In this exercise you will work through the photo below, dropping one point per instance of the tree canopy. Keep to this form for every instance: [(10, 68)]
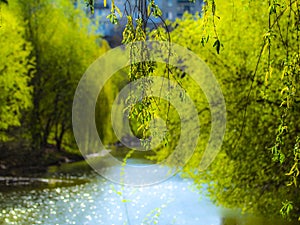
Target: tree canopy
[(259, 158), (15, 73), (253, 49)]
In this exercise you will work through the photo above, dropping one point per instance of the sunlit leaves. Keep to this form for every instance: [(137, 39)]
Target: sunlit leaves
[(152, 7), (287, 207), (15, 67), (63, 47), (244, 174), (113, 13)]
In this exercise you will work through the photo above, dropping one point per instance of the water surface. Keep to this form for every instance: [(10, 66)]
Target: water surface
[(88, 198)]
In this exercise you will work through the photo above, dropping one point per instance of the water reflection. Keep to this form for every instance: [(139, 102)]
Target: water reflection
[(102, 202)]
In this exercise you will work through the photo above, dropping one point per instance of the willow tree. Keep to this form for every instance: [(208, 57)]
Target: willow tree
[(258, 68), (139, 18), (140, 26), (253, 48), (15, 72), (63, 45)]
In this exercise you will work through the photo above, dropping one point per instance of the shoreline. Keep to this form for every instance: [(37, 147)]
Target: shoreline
[(22, 163)]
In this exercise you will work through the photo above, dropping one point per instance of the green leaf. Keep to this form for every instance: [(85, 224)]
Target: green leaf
[(217, 45)]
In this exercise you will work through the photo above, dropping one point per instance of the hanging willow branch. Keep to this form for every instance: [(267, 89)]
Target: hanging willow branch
[(140, 26)]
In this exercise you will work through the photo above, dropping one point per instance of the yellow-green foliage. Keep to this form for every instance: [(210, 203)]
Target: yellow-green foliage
[(15, 66), (249, 68), (104, 105), (63, 44)]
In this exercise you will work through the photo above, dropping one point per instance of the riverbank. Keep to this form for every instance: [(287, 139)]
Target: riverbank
[(53, 168), (19, 163), (15, 162)]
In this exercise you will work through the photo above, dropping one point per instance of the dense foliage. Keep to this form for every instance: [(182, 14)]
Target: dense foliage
[(253, 49), (43, 71), (258, 68), (15, 73), (251, 46)]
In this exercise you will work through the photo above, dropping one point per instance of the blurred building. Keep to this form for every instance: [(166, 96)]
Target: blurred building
[(171, 10)]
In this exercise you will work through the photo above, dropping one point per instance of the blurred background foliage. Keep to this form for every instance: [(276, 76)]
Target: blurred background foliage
[(46, 46)]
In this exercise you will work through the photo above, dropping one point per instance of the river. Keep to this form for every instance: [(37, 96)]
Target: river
[(79, 196)]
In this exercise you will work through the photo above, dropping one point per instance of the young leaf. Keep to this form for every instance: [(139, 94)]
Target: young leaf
[(217, 45)]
